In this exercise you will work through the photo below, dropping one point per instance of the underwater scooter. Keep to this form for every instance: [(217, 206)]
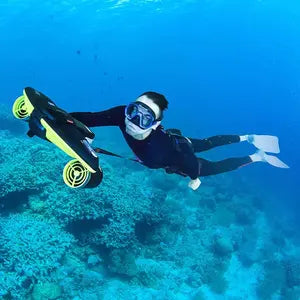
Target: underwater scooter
[(51, 123)]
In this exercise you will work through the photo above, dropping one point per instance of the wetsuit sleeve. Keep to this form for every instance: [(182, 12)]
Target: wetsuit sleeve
[(111, 117)]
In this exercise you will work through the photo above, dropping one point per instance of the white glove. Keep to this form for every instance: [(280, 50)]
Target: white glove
[(194, 184)]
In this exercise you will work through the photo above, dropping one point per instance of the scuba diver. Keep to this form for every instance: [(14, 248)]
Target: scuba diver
[(154, 147)]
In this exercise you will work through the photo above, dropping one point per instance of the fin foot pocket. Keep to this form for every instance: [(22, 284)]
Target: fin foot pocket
[(20, 110)]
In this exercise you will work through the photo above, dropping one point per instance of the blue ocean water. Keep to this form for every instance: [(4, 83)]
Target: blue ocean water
[(226, 67)]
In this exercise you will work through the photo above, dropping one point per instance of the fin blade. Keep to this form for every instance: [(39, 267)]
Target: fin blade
[(275, 161), (267, 143)]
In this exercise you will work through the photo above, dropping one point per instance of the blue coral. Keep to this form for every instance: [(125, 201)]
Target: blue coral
[(30, 249), (161, 240)]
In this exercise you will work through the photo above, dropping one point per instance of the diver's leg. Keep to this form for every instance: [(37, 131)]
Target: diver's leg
[(214, 141), (212, 168)]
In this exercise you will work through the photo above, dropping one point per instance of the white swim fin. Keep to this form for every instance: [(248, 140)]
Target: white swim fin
[(267, 143), (271, 159)]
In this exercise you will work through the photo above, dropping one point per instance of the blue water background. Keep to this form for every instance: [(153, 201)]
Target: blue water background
[(226, 67)]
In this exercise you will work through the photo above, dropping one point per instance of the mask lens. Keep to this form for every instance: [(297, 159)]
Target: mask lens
[(136, 120), (131, 111), (147, 121), (140, 115)]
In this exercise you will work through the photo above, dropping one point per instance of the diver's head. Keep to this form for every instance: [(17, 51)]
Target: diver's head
[(145, 114)]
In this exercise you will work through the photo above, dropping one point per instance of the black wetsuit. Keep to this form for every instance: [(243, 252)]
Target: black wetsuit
[(161, 149)]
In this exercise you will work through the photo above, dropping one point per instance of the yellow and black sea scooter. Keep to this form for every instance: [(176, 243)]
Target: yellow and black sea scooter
[(55, 125)]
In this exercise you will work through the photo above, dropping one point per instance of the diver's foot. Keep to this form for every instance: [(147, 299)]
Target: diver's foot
[(270, 159), (267, 143)]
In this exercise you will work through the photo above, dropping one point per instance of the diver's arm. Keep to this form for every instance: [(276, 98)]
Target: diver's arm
[(111, 117)]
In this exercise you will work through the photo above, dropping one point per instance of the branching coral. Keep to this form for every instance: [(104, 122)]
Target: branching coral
[(25, 165), (153, 232), (30, 248)]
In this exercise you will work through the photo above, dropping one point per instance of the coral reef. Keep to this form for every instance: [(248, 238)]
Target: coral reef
[(25, 166), (292, 268), (47, 290), (273, 281), (30, 250), (131, 238)]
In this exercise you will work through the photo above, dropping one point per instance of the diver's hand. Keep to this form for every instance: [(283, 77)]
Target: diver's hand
[(194, 184)]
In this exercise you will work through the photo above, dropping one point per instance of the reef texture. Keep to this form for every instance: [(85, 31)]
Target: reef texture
[(140, 235)]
